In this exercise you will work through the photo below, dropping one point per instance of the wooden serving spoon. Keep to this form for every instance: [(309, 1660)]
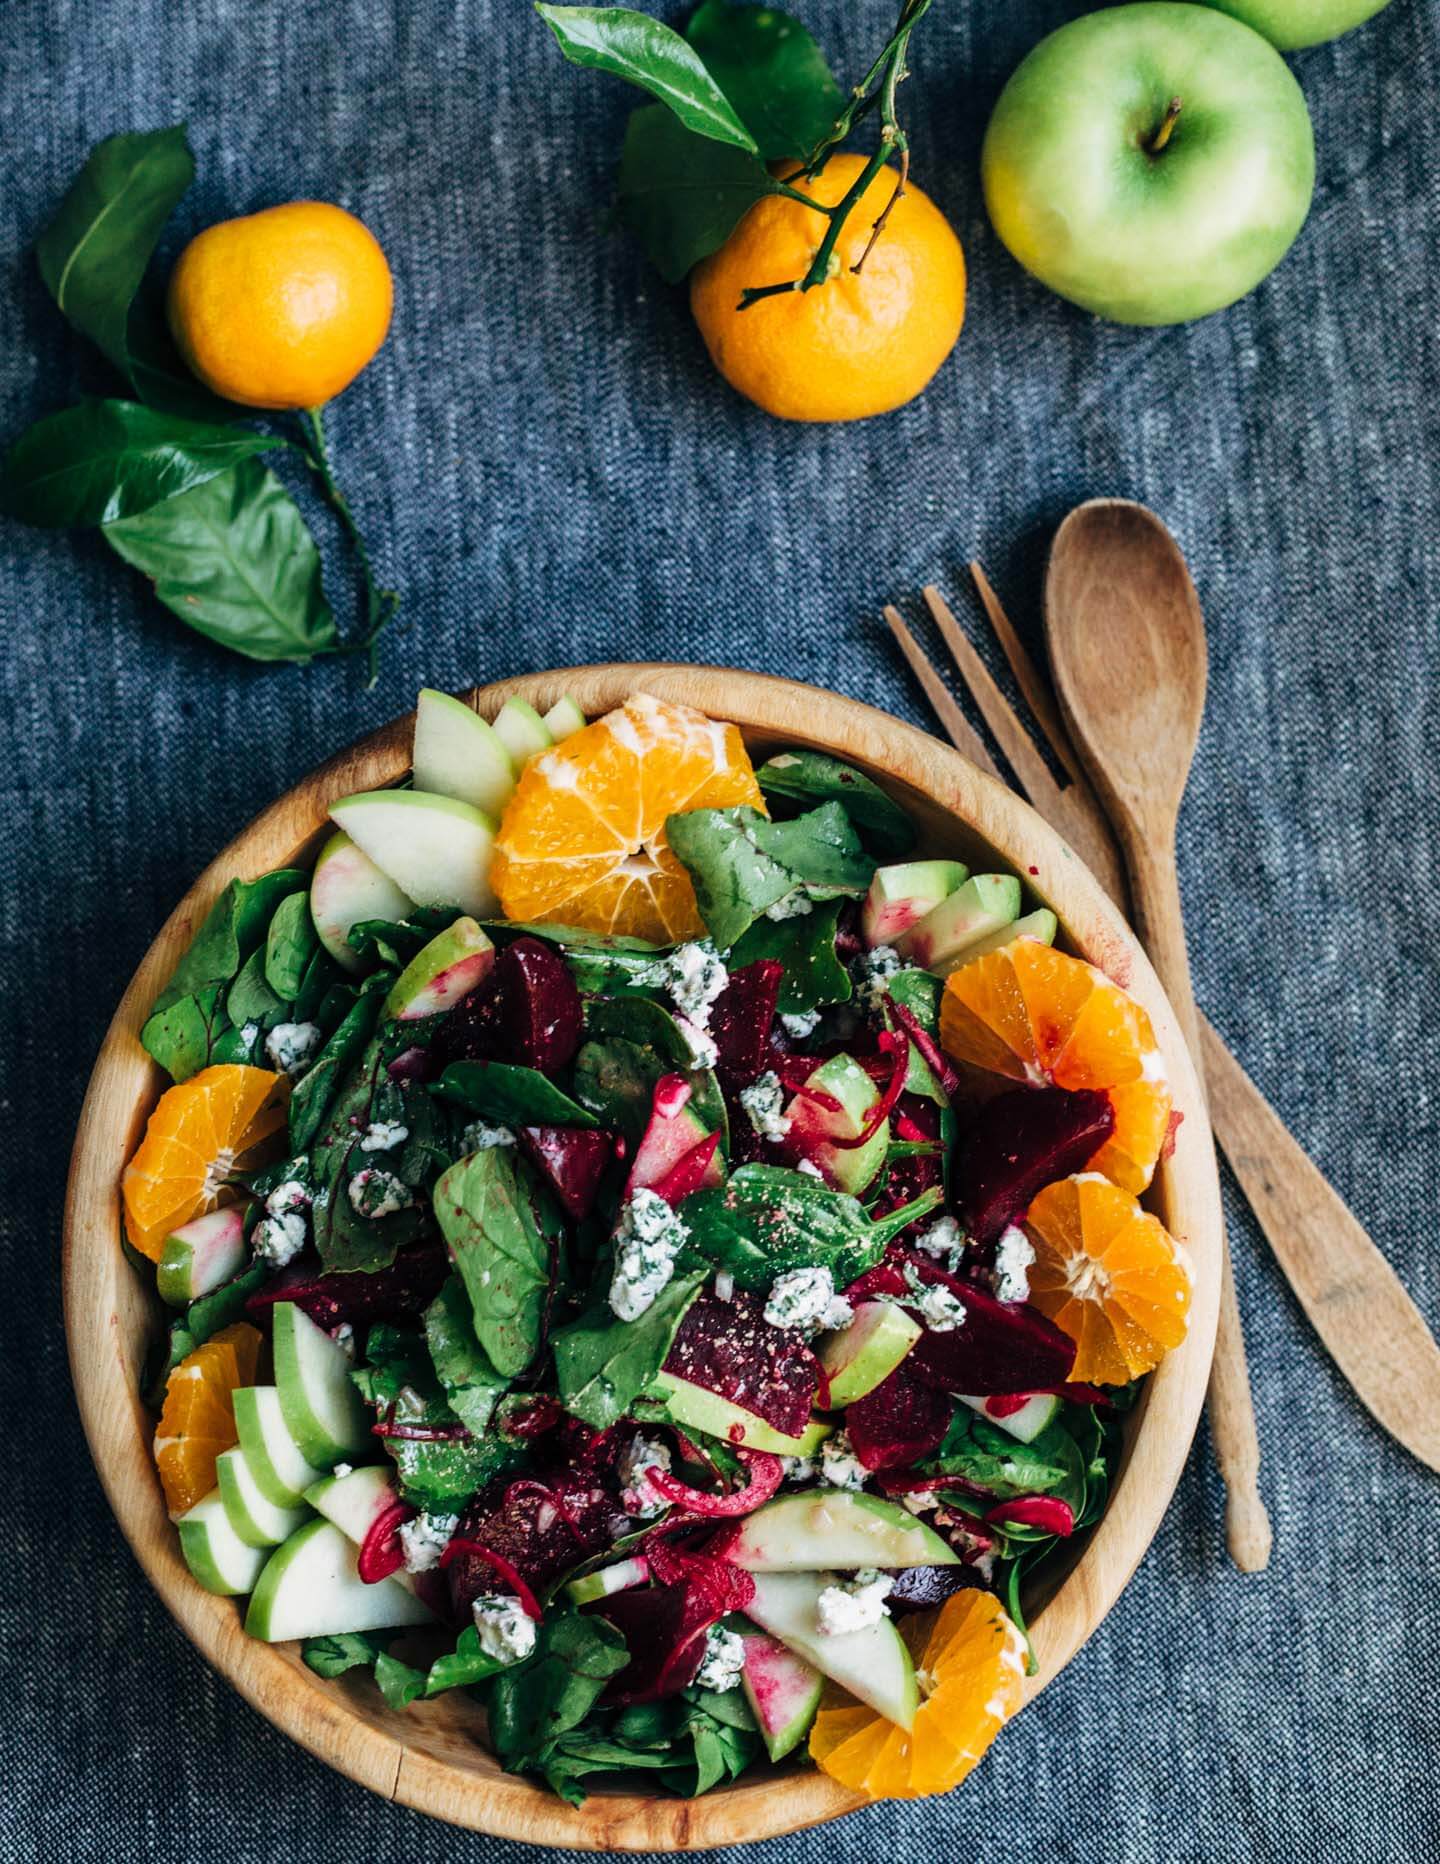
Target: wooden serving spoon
[(1127, 648)]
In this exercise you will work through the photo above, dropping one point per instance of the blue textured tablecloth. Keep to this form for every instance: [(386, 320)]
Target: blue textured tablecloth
[(555, 474)]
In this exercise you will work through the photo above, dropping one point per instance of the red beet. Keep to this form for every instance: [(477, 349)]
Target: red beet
[(527, 1011), (728, 1347), (664, 1626), (381, 1552), (410, 1283), (740, 1019), (764, 1473), (998, 1347), (919, 1588), (689, 1173), (572, 1160), (1020, 1142), (1047, 1512), (901, 1422), (527, 1532)]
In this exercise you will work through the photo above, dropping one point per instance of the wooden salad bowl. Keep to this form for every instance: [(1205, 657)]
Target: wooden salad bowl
[(431, 1756)]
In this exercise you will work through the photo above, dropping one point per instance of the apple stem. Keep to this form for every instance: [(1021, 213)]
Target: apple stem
[(1162, 134)]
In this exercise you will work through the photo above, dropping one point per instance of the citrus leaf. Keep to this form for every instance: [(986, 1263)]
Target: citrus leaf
[(681, 195), (234, 560), (772, 71), (107, 460), (639, 49)]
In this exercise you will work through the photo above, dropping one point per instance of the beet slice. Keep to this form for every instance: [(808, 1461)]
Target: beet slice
[(527, 1011), (1020, 1142), (998, 1347), (382, 1552), (729, 1348), (901, 1422), (572, 1160), (529, 1530), (741, 1017), (664, 1626), (919, 1588), (410, 1283)]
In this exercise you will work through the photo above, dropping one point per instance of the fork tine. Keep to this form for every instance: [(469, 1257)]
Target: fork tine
[(1027, 676), (962, 735)]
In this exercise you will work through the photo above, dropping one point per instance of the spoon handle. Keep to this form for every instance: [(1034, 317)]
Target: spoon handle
[(1155, 886)]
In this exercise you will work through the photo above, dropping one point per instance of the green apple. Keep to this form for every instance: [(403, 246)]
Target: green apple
[(1024, 1425), (255, 1518), (872, 1664), (311, 1587), (902, 894), (1041, 925), (564, 718), (345, 888), (718, 1417), (319, 1402), (435, 849), (442, 972), (814, 1122), (943, 939), (1291, 24), (273, 1457), (783, 1691), (1151, 163), (522, 731), (861, 1356), (608, 1581), (840, 1527), (201, 1254), (216, 1555), (457, 753), (356, 1500)]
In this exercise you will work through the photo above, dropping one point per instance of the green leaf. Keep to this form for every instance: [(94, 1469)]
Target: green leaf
[(317, 1087), (681, 195), (230, 931), (291, 943), (742, 864), (184, 1036), (820, 848), (977, 1452), (234, 560), (534, 1703), (200, 1321), (472, 1385), (636, 1042), (250, 999), (772, 71), (399, 1683), (348, 1650), (346, 1239), (646, 53), (603, 1364), (812, 776), (510, 1095), (464, 1666), (94, 252), (486, 1206), (108, 460), (806, 947), (159, 376)]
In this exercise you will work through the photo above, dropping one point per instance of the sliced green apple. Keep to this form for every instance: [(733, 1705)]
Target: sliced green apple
[(522, 731), (608, 1581), (457, 753), (872, 1664), (346, 888), (783, 1691), (435, 849), (311, 1588), (564, 718), (216, 1555), (864, 1354), (943, 939), (841, 1528), (201, 1254), (320, 1405), (901, 894), (1041, 925), (718, 1417), (275, 1460), (1024, 1425), (813, 1122), (442, 972), (255, 1518), (355, 1501)]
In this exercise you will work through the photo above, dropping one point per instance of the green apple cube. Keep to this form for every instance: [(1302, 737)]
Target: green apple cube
[(1041, 925), (901, 894), (848, 1168), (356, 1501), (718, 1417), (564, 718), (457, 753), (783, 1691), (255, 1518), (608, 1581), (441, 973), (942, 940), (863, 1355), (311, 1587), (872, 1664), (1024, 1425), (840, 1527), (435, 849), (274, 1459), (216, 1555), (319, 1402), (201, 1254), (522, 731), (346, 888)]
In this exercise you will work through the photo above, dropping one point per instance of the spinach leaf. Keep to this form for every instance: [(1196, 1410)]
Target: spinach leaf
[(472, 1385), (772, 71), (806, 947), (107, 460), (600, 962), (438, 1474), (603, 1364), (501, 1232), (646, 53), (396, 941), (291, 947), (821, 849), (347, 1650), (977, 1452), (396, 1357), (510, 1095), (534, 1703), (94, 252), (203, 1319), (185, 1037), (464, 1666), (682, 195), (768, 1219), (250, 999), (399, 1683), (316, 1088), (742, 864), (690, 1743), (919, 992), (812, 776), (233, 558), (230, 931), (638, 1042)]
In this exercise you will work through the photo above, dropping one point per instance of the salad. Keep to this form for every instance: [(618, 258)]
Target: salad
[(651, 1248)]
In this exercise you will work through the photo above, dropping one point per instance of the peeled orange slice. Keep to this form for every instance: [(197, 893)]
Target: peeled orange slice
[(582, 841), (1108, 1274), (193, 1142), (970, 1665), (1038, 1015), (198, 1419)]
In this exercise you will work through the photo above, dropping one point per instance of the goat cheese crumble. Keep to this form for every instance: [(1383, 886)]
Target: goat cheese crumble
[(794, 906), (854, 1604), (278, 1240), (640, 1456), (723, 1661), (801, 1023), (703, 1052), (944, 1240), (376, 1193), (810, 1169), (383, 1136), (424, 1539), (290, 1045), (800, 1468), (806, 1299), (692, 976), (939, 1307), (1013, 1255), (647, 1241), (764, 1102), (839, 1465), (870, 970), (506, 1630), (478, 1137)]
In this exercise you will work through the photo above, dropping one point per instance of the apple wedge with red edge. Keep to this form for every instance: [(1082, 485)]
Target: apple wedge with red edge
[(452, 965), (783, 1691), (873, 1664), (201, 1254), (345, 889), (861, 1356), (311, 1587)]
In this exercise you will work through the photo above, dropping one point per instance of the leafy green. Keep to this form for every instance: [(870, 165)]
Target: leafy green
[(399, 1683), (534, 1703), (346, 1650), (250, 999), (772, 71), (603, 1364), (233, 558), (682, 195), (317, 1087), (102, 461), (646, 53), (979, 1453), (472, 1385), (437, 1474), (805, 946), (742, 864), (204, 1318), (639, 1042), (291, 946), (184, 1037), (464, 1666), (501, 1230), (513, 1096), (395, 942), (689, 1743), (813, 776), (919, 992)]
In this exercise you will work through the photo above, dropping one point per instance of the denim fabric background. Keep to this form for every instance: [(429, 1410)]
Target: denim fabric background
[(554, 474)]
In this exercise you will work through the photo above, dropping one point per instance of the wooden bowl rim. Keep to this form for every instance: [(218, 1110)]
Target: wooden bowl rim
[(415, 1758)]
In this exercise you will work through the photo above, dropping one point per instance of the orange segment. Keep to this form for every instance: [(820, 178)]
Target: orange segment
[(582, 841), (1108, 1274), (198, 1419), (1038, 1015), (194, 1140), (970, 1665)]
